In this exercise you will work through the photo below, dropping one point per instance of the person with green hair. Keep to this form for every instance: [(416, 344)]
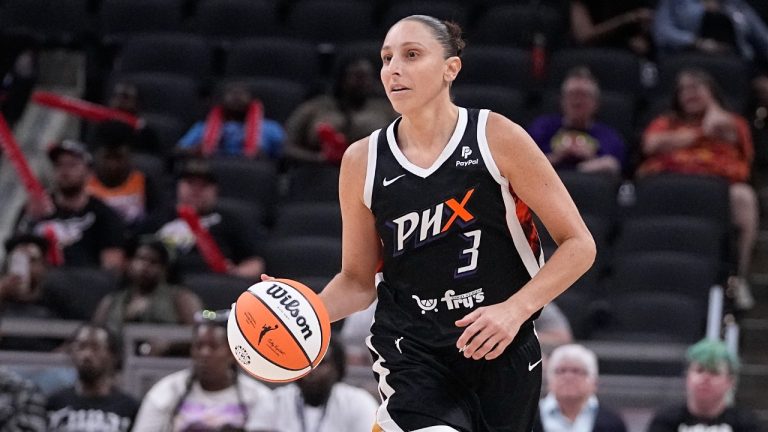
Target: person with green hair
[(710, 378)]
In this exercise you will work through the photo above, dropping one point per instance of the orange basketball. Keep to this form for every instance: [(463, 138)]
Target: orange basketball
[(278, 330)]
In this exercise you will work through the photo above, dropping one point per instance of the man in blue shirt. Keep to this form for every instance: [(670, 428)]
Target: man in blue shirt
[(236, 127)]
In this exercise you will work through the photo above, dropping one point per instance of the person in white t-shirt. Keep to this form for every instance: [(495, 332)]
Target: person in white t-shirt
[(210, 396), (320, 402)]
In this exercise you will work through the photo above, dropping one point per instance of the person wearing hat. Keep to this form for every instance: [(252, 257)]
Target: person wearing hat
[(81, 230), (709, 381), (197, 187)]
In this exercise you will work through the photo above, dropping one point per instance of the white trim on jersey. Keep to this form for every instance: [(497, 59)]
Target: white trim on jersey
[(513, 223), (370, 171), (383, 418), (458, 133)]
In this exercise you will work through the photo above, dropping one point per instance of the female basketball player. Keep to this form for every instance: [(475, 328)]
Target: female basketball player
[(436, 211)]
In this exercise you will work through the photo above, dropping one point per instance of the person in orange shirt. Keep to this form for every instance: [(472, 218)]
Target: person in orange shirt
[(699, 136), (116, 182)]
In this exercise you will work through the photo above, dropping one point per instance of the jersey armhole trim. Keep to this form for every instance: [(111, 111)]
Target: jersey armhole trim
[(485, 150), (370, 171)]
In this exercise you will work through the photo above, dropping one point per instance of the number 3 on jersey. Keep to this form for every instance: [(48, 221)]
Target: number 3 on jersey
[(471, 253)]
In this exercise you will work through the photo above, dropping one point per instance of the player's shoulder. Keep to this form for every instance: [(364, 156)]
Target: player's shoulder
[(356, 156), (499, 125)]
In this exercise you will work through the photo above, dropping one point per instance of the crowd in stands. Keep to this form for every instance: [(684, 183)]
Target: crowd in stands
[(245, 109)]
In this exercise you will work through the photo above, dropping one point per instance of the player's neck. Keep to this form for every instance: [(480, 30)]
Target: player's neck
[(428, 129)]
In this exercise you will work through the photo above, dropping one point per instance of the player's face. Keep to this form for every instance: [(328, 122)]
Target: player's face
[(571, 380), (414, 68), (708, 387)]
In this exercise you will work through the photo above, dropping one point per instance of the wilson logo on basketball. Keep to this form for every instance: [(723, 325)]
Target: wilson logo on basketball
[(428, 224), (291, 306)]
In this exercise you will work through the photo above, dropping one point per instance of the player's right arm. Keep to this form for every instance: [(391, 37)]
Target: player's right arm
[(353, 288)]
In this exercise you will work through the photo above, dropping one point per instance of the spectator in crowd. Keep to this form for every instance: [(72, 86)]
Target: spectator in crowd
[(574, 139), (709, 381), (710, 26), (235, 127), (698, 136), (94, 403), (80, 228), (147, 296), (320, 129), (18, 80), (321, 402), (23, 407), (611, 24), (125, 97), (211, 395), (129, 192), (21, 285), (197, 187), (571, 404)]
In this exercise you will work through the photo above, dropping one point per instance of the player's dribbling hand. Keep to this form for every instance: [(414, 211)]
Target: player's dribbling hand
[(489, 330)]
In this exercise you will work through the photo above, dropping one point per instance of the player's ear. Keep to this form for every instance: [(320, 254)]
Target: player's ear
[(452, 68)]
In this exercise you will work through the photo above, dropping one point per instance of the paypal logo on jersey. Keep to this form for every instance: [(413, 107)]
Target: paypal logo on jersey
[(427, 225), (465, 153)]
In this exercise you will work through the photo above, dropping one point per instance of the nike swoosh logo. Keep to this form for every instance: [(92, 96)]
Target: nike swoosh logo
[(531, 366), (388, 182)]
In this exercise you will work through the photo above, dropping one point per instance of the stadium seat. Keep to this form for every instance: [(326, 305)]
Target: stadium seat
[(594, 194), (731, 74), (299, 257), (274, 58), (445, 10), (696, 236), (494, 65), (683, 195), (227, 20), (168, 94), (58, 23), (169, 130), (517, 25), (216, 291), (330, 21), (121, 19), (503, 100), (615, 70), (184, 55), (248, 180), (75, 292), (321, 219), (249, 213), (313, 182)]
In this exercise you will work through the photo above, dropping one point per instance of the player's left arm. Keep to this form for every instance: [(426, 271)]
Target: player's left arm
[(489, 330)]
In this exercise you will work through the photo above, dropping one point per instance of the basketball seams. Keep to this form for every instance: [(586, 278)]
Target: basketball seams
[(296, 341), (321, 353)]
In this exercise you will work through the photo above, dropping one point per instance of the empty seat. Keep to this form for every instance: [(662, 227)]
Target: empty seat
[(275, 58), (299, 257), (168, 129), (594, 194), (494, 65), (683, 195), (517, 25), (615, 70), (313, 182), (331, 21), (691, 235), (655, 317), (185, 55), (321, 219), (217, 291), (61, 22), (503, 100), (75, 292), (122, 18), (225, 20), (248, 180), (444, 10), (679, 273)]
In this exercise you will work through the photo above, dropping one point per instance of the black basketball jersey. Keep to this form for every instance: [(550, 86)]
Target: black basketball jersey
[(455, 236)]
